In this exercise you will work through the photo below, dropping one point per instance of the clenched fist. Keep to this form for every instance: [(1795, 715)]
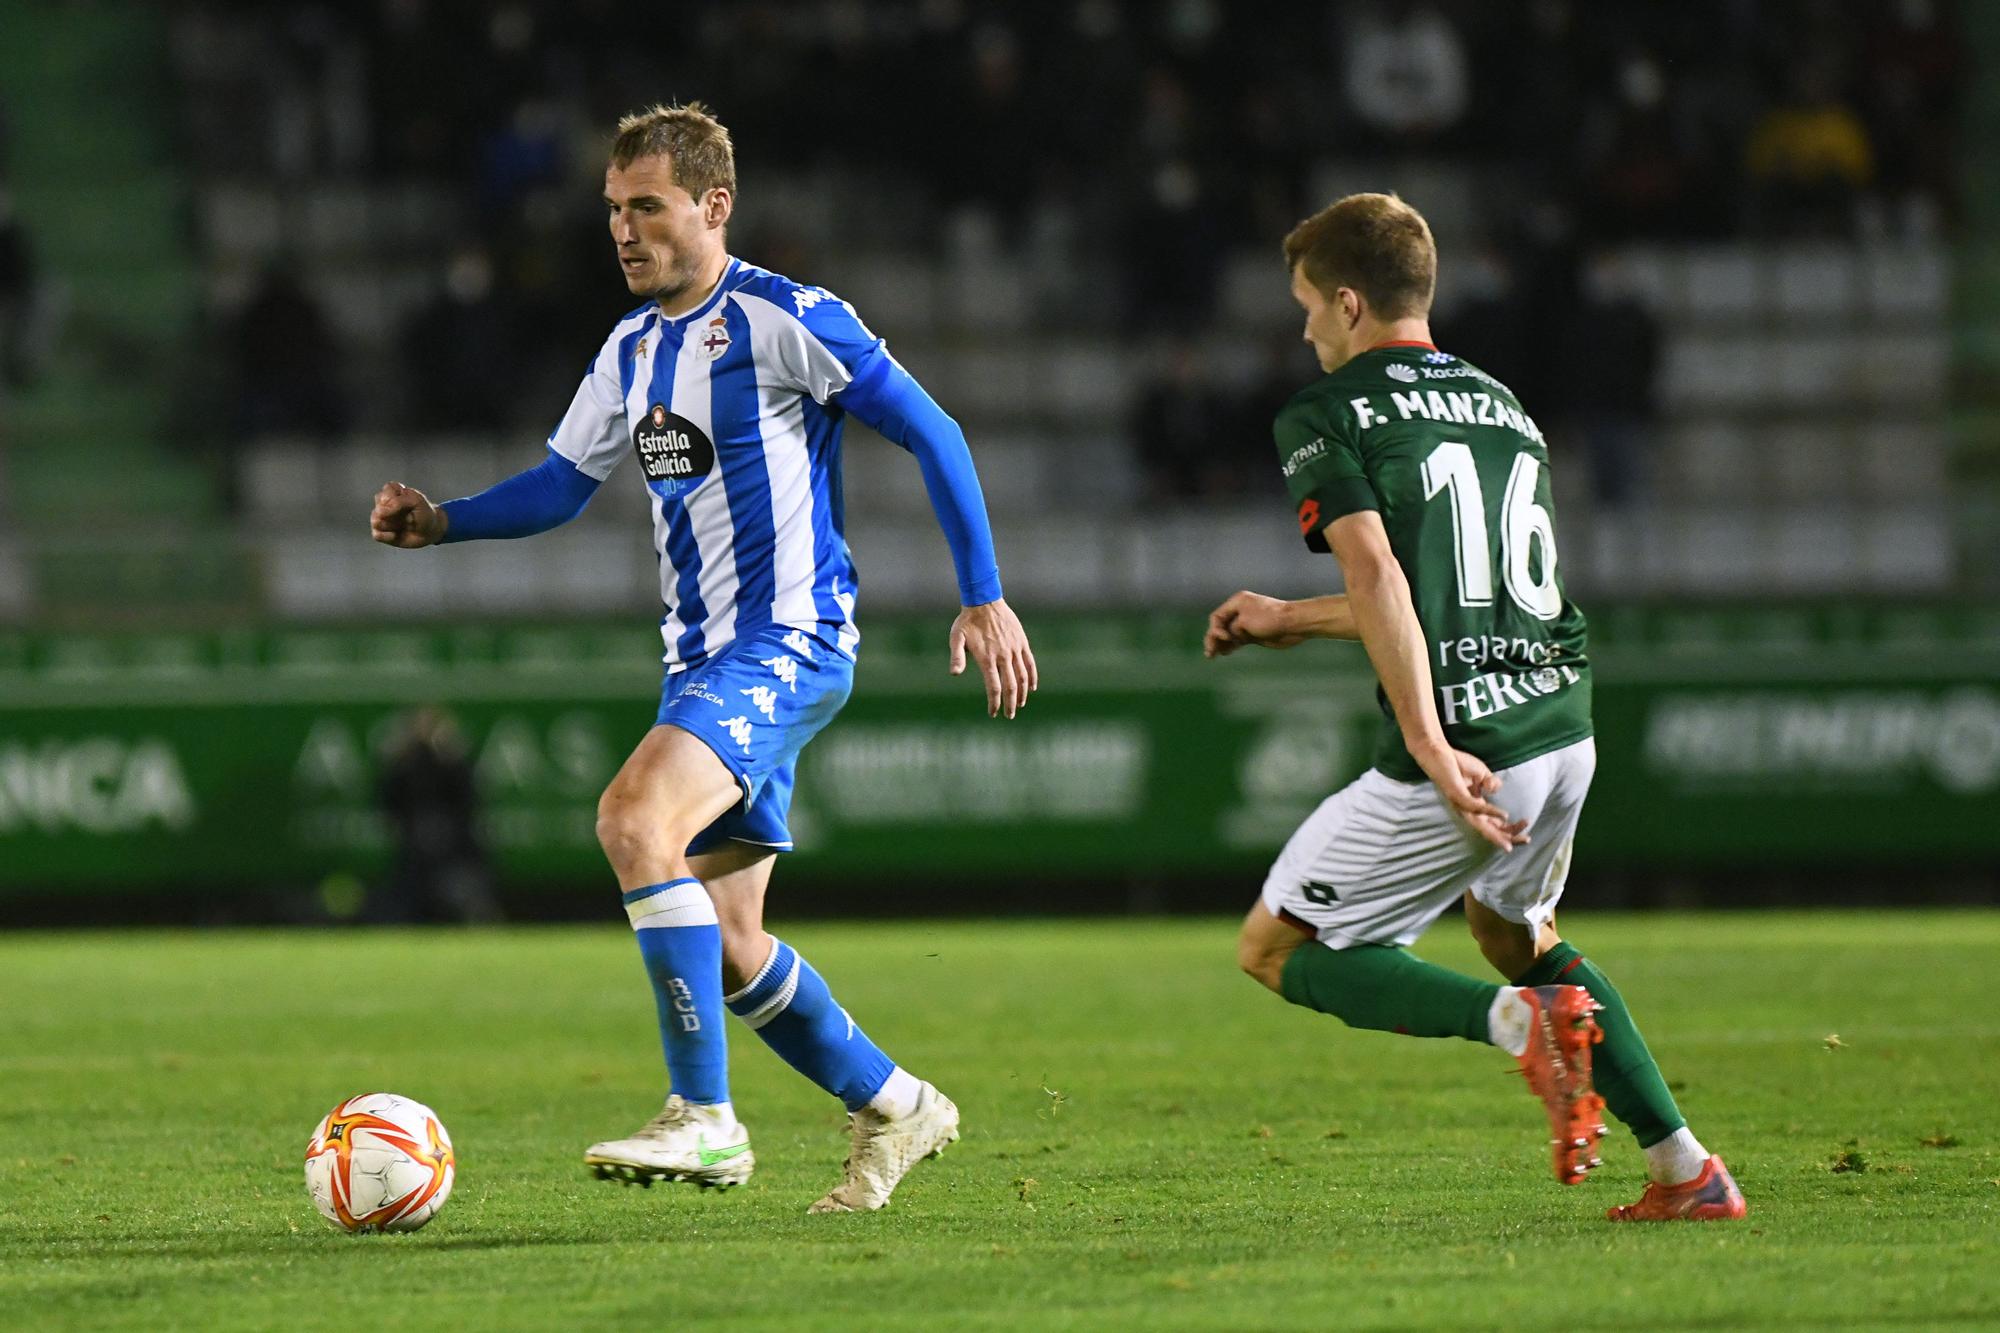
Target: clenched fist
[(405, 517)]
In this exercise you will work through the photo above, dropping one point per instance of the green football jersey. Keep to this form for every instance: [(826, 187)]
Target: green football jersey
[(1460, 476)]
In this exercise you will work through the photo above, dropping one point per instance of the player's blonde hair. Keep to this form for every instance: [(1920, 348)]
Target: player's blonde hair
[(1374, 244), (692, 140)]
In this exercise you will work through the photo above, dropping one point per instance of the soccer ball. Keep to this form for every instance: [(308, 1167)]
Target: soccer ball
[(379, 1162)]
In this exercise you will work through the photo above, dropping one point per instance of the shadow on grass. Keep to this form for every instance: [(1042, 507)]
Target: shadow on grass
[(146, 1245)]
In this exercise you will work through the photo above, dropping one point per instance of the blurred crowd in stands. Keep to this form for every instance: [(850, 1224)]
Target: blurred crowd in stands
[(28, 302), (1148, 140)]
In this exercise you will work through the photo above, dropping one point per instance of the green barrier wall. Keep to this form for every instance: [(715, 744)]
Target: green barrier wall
[(1741, 738)]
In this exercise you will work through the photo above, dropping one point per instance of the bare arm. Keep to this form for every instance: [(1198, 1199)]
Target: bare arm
[(1379, 599), (1328, 617), (1249, 617)]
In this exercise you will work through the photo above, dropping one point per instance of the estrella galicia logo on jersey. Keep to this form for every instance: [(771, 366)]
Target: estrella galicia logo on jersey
[(714, 339), (1396, 370), (672, 450)]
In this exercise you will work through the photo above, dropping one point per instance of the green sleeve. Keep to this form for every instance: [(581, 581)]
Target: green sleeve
[(1321, 460)]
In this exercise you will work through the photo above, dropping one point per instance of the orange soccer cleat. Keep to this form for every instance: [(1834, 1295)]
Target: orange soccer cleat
[(1557, 1063), (1711, 1196)]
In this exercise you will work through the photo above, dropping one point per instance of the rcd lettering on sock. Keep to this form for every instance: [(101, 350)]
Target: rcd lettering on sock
[(684, 1005)]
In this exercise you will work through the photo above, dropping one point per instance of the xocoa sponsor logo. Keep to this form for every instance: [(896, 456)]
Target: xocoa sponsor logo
[(98, 784), (1856, 738)]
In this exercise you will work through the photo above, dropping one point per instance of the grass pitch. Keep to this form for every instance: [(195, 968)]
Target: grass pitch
[(1150, 1140)]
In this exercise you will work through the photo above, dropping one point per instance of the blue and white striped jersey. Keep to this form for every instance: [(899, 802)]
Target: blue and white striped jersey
[(734, 413)]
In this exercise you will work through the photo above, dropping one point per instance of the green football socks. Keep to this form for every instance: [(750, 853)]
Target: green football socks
[(1388, 990), (1622, 1067)]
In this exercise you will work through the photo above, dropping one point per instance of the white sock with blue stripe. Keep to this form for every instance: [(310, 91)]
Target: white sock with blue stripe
[(682, 946), (790, 1007)]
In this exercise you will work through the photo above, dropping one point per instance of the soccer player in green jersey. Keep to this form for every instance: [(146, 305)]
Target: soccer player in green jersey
[(1430, 485)]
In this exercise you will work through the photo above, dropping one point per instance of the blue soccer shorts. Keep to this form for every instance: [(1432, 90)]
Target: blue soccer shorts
[(756, 704)]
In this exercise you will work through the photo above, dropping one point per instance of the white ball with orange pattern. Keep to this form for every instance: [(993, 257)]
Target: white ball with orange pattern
[(380, 1162)]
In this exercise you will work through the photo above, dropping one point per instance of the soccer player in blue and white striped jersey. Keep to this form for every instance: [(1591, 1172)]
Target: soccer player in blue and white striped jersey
[(729, 386)]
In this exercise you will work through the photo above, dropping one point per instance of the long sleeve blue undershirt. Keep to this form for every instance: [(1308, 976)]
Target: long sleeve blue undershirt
[(543, 497), (883, 396)]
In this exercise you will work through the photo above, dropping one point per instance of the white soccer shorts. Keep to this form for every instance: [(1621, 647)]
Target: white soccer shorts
[(1379, 860)]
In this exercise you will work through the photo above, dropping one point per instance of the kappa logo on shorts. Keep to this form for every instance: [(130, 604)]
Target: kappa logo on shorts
[(766, 700), (786, 669), (739, 731)]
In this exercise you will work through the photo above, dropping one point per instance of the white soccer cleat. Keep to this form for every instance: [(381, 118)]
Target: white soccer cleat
[(884, 1150), (702, 1144)]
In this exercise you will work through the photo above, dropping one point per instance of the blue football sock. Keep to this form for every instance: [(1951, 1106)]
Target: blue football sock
[(792, 1010), (682, 946)]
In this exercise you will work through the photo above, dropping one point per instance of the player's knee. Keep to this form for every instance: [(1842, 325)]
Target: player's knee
[(632, 831), (1508, 947), (1259, 960)]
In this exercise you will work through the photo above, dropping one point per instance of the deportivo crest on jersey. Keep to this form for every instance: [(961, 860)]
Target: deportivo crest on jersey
[(734, 410), (673, 450), (714, 340)]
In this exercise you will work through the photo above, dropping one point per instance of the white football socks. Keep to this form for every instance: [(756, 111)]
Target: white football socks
[(1509, 1020), (717, 1115), (898, 1096), (1677, 1158)]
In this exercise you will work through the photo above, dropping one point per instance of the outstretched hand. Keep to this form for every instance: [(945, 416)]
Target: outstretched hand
[(1249, 617), (1466, 782), (404, 516), (992, 635)]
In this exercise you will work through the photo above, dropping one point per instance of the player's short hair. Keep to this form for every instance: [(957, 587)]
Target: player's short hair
[(1374, 244), (692, 140)]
